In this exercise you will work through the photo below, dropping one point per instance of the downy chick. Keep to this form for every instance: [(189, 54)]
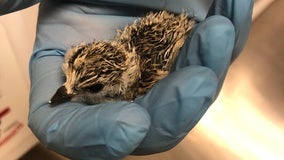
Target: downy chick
[(126, 67)]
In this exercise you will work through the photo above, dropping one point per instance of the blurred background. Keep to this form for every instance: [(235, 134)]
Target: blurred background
[(245, 122)]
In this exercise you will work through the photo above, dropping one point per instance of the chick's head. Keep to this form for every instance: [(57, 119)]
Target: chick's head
[(97, 72)]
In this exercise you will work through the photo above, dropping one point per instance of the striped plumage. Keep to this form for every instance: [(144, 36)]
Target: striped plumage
[(128, 66)]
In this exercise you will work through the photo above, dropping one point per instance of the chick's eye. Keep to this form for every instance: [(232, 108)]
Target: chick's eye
[(95, 88)]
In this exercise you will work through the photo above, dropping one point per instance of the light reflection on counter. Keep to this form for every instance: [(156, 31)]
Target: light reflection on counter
[(235, 123)]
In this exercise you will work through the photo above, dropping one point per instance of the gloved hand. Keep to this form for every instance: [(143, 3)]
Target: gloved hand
[(153, 123)]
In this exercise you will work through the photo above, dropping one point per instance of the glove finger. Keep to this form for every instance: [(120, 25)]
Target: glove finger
[(175, 105), (198, 9), (61, 25), (240, 14), (210, 44), (107, 131)]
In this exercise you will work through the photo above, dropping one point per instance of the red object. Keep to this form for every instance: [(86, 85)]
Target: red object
[(4, 112)]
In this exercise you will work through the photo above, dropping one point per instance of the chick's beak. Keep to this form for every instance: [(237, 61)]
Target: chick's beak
[(60, 97)]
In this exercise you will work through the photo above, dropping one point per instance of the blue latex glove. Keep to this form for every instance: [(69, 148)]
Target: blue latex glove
[(155, 122), (8, 6)]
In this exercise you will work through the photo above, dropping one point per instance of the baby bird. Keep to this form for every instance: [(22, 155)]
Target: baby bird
[(126, 67)]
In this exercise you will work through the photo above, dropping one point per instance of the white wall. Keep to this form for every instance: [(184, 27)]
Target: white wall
[(20, 28), (17, 32)]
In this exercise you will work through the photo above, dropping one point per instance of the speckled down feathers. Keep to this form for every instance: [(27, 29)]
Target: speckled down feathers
[(128, 66)]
